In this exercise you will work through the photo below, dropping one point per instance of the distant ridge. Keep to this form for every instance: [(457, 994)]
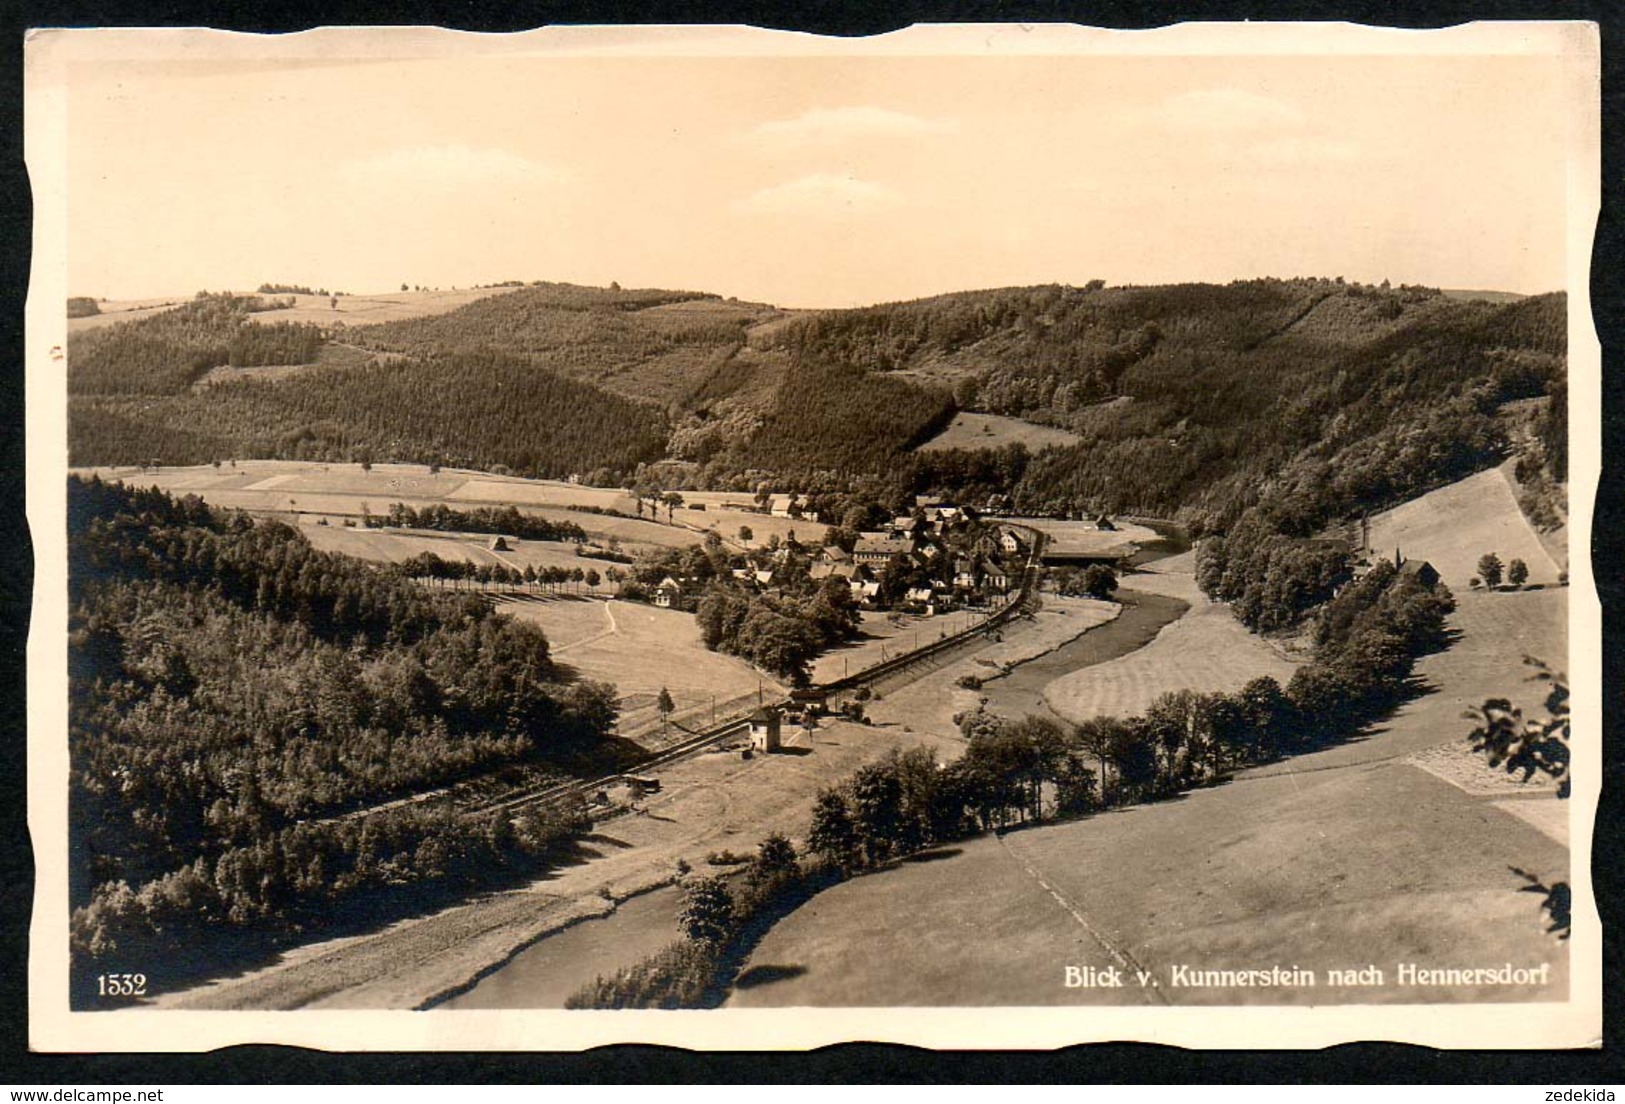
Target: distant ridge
[(1485, 296)]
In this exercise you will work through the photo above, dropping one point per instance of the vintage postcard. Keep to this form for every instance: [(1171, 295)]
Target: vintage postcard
[(984, 536)]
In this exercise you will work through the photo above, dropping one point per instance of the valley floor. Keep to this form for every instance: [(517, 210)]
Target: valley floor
[(711, 802)]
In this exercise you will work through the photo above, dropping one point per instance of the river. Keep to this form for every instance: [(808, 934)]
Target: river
[(1022, 691), (546, 973)]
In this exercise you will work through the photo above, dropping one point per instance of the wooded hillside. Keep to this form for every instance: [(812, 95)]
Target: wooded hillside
[(1190, 400), (229, 683)]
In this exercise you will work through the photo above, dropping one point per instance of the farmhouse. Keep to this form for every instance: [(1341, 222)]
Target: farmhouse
[(1010, 543), (1420, 570), (809, 702), (848, 571), (783, 506), (966, 575), (668, 592), (878, 548), (764, 729)]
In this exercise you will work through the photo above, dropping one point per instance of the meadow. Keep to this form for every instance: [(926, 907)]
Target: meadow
[(1204, 650), (311, 491), (642, 649), (988, 431), (1456, 524)]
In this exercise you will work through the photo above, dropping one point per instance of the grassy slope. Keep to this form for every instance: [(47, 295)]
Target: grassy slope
[(1336, 859), (1456, 524), (988, 431), (1207, 650)]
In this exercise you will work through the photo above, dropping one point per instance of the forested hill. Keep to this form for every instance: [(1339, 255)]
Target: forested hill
[(1195, 398), (230, 682), (1190, 399)]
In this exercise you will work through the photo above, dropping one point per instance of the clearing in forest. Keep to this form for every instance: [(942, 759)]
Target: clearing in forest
[(989, 431)]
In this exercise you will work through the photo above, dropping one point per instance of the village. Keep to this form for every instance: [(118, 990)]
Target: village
[(939, 558)]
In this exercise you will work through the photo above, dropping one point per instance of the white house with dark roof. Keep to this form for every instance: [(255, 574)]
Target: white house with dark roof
[(667, 592), (878, 548)]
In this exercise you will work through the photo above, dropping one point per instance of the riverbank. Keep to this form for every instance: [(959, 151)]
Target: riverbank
[(1141, 616)]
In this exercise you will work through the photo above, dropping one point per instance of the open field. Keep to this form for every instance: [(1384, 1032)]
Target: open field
[(1497, 631), (399, 545), (1344, 857), (1207, 649), (1329, 870), (1081, 538), (988, 431), (124, 310), (1456, 524), (336, 491), (640, 649), (353, 310)]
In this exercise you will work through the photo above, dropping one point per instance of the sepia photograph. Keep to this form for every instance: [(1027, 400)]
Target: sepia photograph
[(976, 536)]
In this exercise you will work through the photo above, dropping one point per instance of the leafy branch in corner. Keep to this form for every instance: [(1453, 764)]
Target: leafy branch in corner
[(1530, 746), (1527, 745)]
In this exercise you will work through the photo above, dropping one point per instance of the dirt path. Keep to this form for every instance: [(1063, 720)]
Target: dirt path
[(611, 630)]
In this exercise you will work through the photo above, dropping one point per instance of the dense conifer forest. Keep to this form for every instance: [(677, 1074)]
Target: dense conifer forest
[(167, 353), (474, 410), (235, 692)]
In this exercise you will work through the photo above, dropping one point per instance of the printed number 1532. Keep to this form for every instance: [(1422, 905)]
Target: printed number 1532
[(121, 985)]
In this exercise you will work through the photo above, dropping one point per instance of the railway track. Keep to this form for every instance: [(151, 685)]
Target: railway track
[(1022, 602)]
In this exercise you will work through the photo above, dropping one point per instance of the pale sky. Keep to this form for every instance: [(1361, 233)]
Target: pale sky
[(815, 181)]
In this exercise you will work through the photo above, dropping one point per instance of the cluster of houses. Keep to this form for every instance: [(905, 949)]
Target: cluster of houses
[(952, 560)]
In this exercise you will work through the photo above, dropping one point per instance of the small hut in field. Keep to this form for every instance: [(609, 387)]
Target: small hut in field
[(764, 730), (498, 544)]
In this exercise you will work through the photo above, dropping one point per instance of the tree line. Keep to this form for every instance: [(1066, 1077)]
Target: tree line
[(1036, 768), (506, 520), (166, 353)]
